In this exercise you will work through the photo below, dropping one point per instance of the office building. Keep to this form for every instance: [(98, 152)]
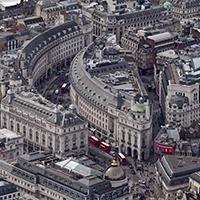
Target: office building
[(110, 95), (43, 176)]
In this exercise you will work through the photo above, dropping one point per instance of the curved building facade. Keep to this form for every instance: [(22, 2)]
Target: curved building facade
[(43, 124), (124, 118), (48, 52)]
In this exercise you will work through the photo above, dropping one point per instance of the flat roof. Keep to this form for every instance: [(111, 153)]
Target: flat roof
[(7, 3), (161, 36), (5, 133), (73, 166), (184, 164), (196, 176), (168, 54)]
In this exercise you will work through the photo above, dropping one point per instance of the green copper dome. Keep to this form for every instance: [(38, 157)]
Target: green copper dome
[(167, 5), (139, 108)]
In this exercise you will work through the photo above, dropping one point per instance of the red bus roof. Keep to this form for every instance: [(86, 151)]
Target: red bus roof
[(94, 138), (121, 155), (105, 144)]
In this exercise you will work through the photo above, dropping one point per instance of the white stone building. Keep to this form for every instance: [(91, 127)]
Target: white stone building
[(51, 51), (43, 125), (182, 104), (123, 117), (179, 85), (11, 144)]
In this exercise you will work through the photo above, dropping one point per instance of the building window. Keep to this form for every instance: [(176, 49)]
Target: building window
[(66, 142), (82, 135), (123, 135), (74, 137), (24, 130), (37, 137), (30, 134), (135, 140), (18, 128), (11, 125), (129, 137), (143, 142)]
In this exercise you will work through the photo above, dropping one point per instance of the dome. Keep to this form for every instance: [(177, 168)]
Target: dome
[(139, 108), (115, 172), (167, 5)]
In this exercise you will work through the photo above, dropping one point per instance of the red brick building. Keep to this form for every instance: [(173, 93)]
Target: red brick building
[(145, 45)]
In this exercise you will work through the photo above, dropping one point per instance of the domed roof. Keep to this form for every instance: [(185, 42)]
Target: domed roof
[(138, 107), (115, 172), (167, 5)]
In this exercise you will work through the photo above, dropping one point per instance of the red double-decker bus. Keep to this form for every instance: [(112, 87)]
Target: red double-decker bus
[(94, 141), (164, 149), (121, 158), (105, 147)]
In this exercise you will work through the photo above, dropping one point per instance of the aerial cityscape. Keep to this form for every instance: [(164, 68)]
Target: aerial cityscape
[(99, 100)]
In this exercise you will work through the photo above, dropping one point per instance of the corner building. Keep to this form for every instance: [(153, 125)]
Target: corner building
[(123, 118), (44, 125)]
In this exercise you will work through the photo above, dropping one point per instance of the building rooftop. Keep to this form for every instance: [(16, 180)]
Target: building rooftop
[(168, 135), (6, 188), (161, 37), (183, 65), (104, 78), (73, 166), (65, 176), (5, 133), (175, 168), (40, 41), (181, 164), (37, 107), (196, 177), (8, 3), (168, 54)]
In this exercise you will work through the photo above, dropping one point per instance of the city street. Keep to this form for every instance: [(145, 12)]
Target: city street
[(143, 178)]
